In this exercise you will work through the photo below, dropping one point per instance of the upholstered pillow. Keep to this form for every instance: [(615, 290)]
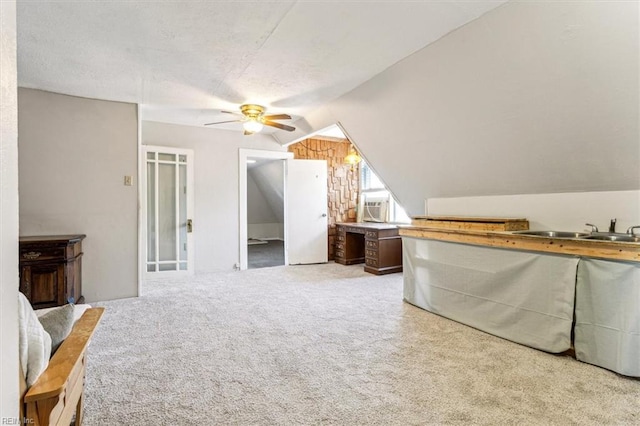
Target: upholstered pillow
[(58, 323), (78, 310), (34, 343)]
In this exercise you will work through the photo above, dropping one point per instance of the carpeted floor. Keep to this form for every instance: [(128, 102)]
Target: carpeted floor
[(271, 253), (325, 344)]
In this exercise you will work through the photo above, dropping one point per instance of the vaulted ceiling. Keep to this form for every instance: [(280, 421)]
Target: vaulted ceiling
[(185, 61), (532, 97)]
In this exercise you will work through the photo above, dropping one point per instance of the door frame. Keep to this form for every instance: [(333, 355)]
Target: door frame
[(142, 247), (243, 155)]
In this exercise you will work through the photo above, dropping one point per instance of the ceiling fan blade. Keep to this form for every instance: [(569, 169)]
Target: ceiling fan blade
[(222, 122), (277, 117), (279, 125), (247, 133), (230, 112)]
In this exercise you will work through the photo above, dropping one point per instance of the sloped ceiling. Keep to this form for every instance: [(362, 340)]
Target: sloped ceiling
[(534, 97), (184, 61)]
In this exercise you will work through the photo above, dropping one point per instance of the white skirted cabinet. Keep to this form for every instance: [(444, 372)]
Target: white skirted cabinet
[(528, 297), (521, 296), (607, 330)]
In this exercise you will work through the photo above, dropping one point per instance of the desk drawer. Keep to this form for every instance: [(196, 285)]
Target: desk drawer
[(339, 246), (371, 253), (371, 244), (340, 237), (371, 234), (371, 262), (339, 254)]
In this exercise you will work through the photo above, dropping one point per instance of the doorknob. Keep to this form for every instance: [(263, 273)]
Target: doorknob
[(189, 225), (324, 215)]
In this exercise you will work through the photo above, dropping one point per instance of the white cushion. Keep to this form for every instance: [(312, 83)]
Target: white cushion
[(34, 343)]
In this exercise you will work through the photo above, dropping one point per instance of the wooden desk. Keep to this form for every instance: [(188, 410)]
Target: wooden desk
[(378, 245)]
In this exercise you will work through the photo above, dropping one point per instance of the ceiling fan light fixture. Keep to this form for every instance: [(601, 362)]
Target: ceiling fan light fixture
[(253, 119), (252, 126)]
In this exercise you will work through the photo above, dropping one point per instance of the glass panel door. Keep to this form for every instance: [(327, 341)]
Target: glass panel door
[(168, 209)]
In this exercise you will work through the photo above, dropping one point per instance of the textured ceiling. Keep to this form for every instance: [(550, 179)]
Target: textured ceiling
[(184, 61)]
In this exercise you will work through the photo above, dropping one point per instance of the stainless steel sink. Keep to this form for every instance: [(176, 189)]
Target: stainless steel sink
[(583, 236), (554, 234), (622, 238)]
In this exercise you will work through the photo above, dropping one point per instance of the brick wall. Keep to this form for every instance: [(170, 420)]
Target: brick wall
[(342, 182)]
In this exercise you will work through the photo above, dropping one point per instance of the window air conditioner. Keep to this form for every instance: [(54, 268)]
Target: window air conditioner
[(375, 210)]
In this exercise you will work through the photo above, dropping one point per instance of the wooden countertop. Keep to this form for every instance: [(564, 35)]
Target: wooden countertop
[(613, 250), (471, 223)]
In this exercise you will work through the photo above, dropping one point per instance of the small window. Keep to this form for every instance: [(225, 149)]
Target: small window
[(166, 157), (377, 204), (368, 179)]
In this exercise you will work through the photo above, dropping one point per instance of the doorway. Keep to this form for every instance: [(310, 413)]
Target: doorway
[(244, 155), (305, 207), (265, 212), (167, 211)]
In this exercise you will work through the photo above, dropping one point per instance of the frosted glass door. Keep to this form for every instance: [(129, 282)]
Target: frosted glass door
[(168, 220)]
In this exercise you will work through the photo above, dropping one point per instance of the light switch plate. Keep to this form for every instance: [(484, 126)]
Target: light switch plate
[(128, 180)]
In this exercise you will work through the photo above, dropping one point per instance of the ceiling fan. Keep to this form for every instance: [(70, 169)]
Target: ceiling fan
[(253, 119)]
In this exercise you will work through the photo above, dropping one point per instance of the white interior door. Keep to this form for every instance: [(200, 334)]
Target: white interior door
[(168, 210), (306, 212)]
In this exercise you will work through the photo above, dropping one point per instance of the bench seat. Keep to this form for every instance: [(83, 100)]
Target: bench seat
[(57, 394)]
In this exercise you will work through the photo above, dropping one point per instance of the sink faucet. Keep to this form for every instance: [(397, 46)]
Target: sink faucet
[(612, 226), (593, 227), (631, 228)]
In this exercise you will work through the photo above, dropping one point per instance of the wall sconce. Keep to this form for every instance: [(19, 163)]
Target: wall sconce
[(353, 158)]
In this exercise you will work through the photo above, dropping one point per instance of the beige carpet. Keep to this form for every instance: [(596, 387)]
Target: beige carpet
[(325, 344)]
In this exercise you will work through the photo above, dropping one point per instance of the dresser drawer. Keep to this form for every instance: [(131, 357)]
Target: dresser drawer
[(41, 253), (371, 253), (371, 244), (371, 234), (371, 262)]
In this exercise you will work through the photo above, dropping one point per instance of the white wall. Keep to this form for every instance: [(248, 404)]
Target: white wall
[(8, 214), (258, 209), (266, 231), (558, 212), (269, 180), (216, 225), (532, 97), (262, 221), (73, 156)]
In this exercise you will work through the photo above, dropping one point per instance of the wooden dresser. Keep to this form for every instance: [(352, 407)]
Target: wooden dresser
[(378, 245), (51, 269)]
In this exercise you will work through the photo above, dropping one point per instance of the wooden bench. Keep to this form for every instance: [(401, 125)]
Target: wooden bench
[(57, 394)]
